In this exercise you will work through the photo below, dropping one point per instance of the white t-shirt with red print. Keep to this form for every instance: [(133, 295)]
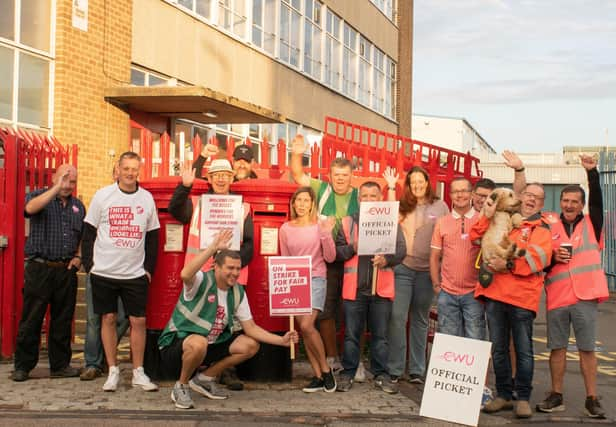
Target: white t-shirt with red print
[(122, 221)]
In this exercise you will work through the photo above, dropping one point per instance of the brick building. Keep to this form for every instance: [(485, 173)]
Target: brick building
[(101, 72)]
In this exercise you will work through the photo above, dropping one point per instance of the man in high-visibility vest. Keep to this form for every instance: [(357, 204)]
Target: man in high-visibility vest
[(575, 284), (360, 305), (220, 176)]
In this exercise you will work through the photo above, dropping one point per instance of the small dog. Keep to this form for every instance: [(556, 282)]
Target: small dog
[(495, 242)]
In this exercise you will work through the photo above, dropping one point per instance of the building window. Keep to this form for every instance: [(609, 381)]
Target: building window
[(365, 68), (390, 89), (332, 51), (142, 77), (349, 62), (25, 62), (378, 81), (232, 16), (313, 38), (385, 6), (290, 27)]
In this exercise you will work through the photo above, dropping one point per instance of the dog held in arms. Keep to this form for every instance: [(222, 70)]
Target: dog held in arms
[(495, 242)]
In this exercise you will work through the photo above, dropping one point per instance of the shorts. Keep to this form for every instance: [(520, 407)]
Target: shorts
[(133, 293), (319, 290), (333, 297), (171, 355), (583, 317)]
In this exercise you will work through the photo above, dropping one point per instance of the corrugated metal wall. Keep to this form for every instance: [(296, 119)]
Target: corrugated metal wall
[(607, 169)]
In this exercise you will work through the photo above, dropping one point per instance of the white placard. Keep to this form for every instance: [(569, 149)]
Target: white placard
[(80, 14), (174, 237), (221, 212), (378, 227), (455, 380)]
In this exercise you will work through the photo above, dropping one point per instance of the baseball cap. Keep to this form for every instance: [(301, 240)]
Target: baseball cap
[(220, 165), (243, 152)]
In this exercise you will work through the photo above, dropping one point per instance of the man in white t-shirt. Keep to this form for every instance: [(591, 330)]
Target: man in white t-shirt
[(199, 331), (119, 251)]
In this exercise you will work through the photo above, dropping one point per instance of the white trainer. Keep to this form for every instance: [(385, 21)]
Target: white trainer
[(360, 374), (140, 379), (113, 379)]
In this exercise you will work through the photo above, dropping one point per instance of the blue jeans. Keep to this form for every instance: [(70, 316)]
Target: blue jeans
[(377, 310), (413, 296), (93, 347), (461, 315), (505, 320)]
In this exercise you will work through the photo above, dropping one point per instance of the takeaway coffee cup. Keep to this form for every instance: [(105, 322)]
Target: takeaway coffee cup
[(568, 247)]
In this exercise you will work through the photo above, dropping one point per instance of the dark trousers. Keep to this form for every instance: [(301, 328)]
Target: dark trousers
[(44, 286)]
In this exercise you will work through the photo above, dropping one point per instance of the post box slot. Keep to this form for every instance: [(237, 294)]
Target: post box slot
[(269, 213)]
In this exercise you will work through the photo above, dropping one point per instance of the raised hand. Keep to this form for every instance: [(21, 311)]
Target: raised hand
[(327, 223), (188, 176), (298, 145), (209, 150), (391, 177), (512, 160), (588, 162), (222, 239)]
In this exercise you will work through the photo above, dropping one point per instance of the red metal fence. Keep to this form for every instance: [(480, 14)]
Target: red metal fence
[(27, 162), (370, 150)]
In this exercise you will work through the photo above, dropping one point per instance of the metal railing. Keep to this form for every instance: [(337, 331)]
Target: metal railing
[(607, 174)]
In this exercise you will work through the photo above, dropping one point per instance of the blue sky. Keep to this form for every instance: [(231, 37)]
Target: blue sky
[(529, 75)]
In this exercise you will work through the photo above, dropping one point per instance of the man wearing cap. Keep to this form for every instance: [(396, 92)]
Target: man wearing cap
[(243, 161), (182, 208)]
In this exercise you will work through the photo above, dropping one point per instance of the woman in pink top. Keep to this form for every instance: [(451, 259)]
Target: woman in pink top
[(303, 235)]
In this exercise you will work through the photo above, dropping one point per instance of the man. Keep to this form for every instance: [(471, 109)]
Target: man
[(453, 276), (93, 347), (575, 284), (52, 260), (220, 175), (512, 299), (243, 161), (359, 302), (200, 329), (119, 249), (481, 190), (338, 199)]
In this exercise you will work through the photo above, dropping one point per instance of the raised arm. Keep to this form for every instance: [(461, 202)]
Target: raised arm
[(514, 162), (595, 198), (38, 203), (298, 148), (194, 265)]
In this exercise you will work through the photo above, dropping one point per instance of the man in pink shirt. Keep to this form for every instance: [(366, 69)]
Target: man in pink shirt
[(452, 267)]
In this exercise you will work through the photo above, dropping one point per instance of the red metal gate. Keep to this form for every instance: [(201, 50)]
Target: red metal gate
[(27, 162)]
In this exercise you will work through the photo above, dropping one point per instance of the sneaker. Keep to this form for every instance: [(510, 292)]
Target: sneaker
[(329, 381), (20, 375), (140, 379), (384, 383), (315, 384), (593, 408), (360, 374), (207, 388), (416, 379), (552, 403), (498, 404), (522, 409), (90, 373), (66, 372), (181, 396), (394, 379), (335, 364), (230, 379), (486, 397), (345, 383), (112, 379)]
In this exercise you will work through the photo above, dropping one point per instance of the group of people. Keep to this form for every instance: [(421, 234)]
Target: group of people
[(211, 329)]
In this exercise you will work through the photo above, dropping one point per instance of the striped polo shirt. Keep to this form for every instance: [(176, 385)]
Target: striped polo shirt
[(451, 237)]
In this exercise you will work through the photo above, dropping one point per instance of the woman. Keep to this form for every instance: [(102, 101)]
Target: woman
[(303, 235), (419, 210)]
